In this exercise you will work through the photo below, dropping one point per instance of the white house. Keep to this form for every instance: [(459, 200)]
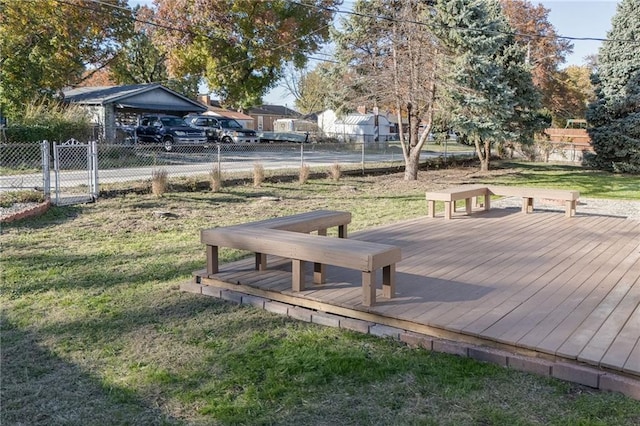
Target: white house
[(355, 127)]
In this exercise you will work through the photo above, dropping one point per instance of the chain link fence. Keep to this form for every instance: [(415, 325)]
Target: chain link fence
[(74, 170)]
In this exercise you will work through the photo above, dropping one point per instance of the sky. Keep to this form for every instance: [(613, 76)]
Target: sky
[(571, 18)]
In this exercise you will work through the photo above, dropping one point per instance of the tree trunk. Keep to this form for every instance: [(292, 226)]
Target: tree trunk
[(483, 150), (411, 166)]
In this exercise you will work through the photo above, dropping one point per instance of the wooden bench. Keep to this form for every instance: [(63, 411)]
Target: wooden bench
[(467, 192), (569, 197), (451, 195), (313, 221), (301, 247)]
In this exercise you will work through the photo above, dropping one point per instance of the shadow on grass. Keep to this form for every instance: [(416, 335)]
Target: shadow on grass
[(62, 271), (39, 388)]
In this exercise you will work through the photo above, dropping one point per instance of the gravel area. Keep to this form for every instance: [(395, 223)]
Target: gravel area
[(622, 208)]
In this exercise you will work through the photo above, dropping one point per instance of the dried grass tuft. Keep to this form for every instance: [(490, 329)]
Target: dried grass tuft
[(159, 182), (305, 171), (335, 172), (215, 179), (258, 174)]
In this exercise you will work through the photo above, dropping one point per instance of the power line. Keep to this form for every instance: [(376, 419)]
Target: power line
[(480, 30)]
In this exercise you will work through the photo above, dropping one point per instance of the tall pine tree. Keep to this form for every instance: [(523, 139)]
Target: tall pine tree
[(615, 114), (493, 96)]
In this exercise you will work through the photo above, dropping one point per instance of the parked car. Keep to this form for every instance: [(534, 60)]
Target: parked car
[(168, 130), (222, 129)]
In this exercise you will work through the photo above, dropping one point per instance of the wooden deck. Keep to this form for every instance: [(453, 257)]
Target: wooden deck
[(558, 287)]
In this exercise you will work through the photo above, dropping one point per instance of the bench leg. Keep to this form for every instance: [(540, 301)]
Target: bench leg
[(297, 275), (467, 205), (431, 208), (368, 288), (487, 201), (261, 262), (319, 273), (342, 231), (212, 260), (527, 205), (570, 208), (448, 209), (389, 281)]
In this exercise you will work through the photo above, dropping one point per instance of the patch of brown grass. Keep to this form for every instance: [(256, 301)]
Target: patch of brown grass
[(258, 174), (159, 182), (335, 172)]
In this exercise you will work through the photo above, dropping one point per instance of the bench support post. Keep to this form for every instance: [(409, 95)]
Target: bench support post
[(297, 274), (527, 205), (467, 206), (261, 262), (487, 200), (212, 260), (449, 206), (342, 231), (368, 288), (431, 208), (570, 208), (389, 281), (319, 273)]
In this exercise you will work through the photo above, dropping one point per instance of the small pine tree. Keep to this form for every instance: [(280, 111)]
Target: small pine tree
[(615, 114)]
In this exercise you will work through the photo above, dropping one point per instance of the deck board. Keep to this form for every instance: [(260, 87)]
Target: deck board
[(564, 287)]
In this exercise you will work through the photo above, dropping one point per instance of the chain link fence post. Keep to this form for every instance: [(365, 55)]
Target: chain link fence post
[(219, 160), (301, 156), (46, 172), (362, 158), (93, 163)]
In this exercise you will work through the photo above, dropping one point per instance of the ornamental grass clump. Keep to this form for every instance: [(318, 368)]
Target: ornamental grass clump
[(335, 172), (215, 179), (258, 174), (159, 182), (305, 171)]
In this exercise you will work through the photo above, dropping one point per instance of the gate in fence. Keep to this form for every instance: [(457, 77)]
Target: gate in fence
[(75, 170)]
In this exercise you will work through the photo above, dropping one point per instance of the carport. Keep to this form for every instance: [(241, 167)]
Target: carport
[(118, 107)]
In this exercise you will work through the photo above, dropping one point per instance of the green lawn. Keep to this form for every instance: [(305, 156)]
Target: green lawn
[(95, 330)]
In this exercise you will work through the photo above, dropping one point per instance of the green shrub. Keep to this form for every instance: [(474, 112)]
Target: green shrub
[(52, 121)]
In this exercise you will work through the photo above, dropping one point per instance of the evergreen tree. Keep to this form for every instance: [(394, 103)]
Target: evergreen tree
[(492, 91), (615, 114)]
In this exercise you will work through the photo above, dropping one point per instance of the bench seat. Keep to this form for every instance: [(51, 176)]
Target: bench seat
[(466, 192), (450, 195), (569, 197), (301, 247), (307, 222)]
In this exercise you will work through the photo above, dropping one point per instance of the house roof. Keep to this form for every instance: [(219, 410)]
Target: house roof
[(356, 119), (153, 97), (278, 110), (222, 112)]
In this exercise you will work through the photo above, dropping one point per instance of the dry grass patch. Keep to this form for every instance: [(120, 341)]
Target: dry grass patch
[(258, 174), (215, 179), (335, 172), (159, 182), (303, 175)]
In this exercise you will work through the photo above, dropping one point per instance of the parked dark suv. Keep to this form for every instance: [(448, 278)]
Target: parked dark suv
[(225, 130), (168, 130)]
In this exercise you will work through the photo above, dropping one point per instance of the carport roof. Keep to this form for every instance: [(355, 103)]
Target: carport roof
[(129, 97)]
